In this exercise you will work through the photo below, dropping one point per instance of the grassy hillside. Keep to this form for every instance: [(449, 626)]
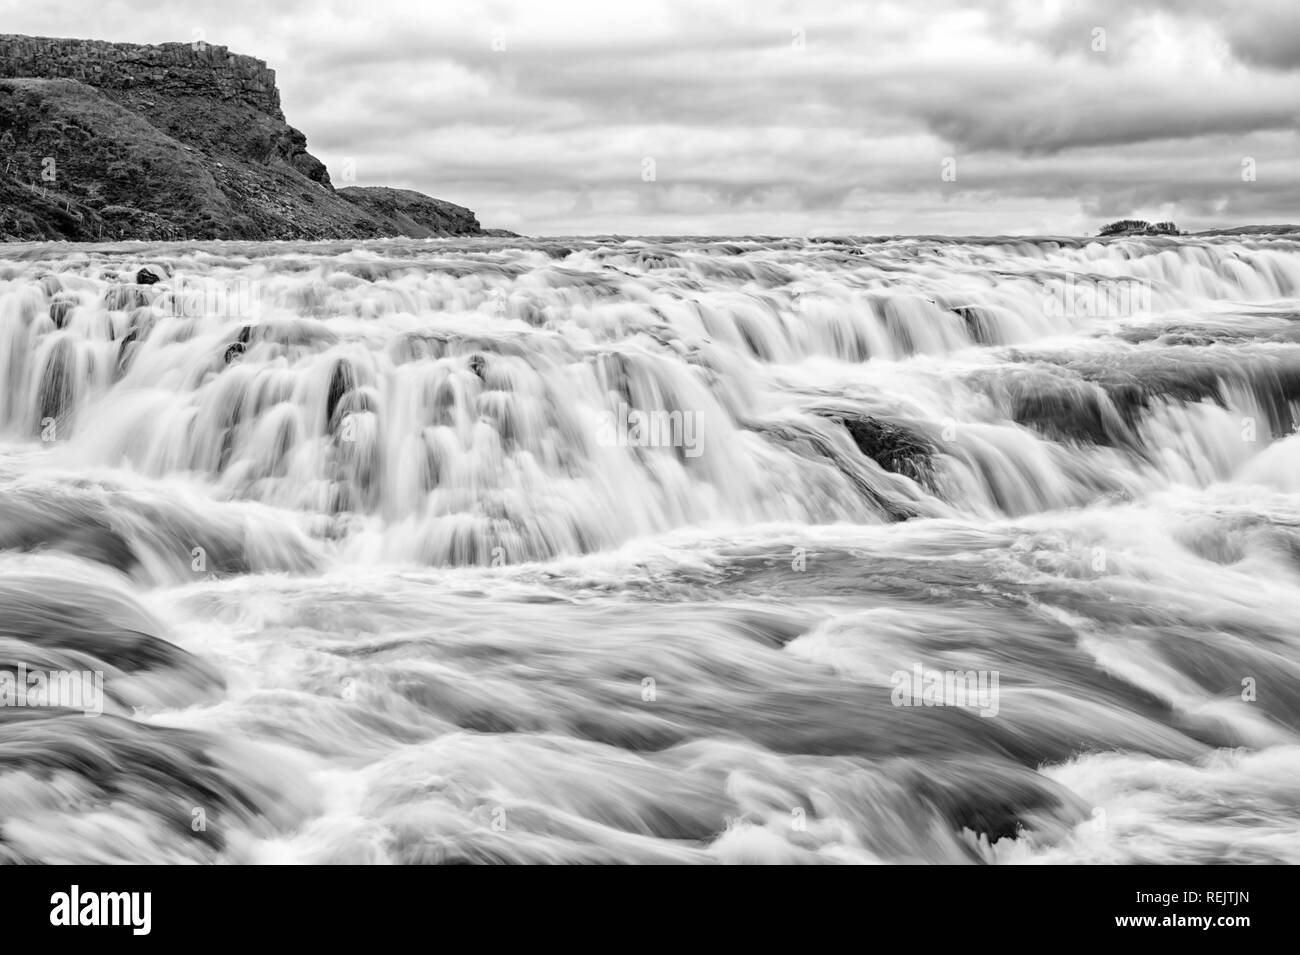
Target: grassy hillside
[(91, 162)]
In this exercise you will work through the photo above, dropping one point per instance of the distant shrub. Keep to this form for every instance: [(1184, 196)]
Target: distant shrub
[(122, 171), (1125, 225), (1138, 227)]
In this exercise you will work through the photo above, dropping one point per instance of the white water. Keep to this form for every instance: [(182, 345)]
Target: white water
[(379, 587)]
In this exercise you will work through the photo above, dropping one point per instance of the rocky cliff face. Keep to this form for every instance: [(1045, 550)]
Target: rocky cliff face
[(413, 212), (123, 141), (166, 69)]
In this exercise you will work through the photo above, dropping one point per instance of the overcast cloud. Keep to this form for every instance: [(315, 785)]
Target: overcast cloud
[(774, 117)]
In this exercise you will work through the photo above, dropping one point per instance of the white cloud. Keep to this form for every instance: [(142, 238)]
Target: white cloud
[(776, 117)]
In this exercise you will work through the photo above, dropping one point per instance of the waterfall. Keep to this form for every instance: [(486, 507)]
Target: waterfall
[(645, 550)]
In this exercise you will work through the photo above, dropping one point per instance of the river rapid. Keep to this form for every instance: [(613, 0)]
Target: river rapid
[(670, 550)]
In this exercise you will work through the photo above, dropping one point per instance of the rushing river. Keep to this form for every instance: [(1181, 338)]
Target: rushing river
[(672, 550)]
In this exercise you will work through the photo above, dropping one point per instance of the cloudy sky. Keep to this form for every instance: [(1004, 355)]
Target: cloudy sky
[(704, 116)]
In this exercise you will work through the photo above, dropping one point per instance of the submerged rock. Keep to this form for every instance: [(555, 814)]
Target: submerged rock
[(59, 313), (895, 448)]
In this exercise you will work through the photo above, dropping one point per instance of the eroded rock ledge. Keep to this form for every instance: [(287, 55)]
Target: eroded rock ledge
[(102, 141)]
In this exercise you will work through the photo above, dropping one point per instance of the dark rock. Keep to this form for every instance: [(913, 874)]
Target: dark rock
[(894, 447), (59, 313), (411, 213), (125, 297), (146, 276), (979, 325), (126, 349), (342, 380), (57, 391), (163, 144)]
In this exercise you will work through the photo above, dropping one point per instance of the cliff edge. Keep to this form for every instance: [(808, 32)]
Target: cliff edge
[(176, 141)]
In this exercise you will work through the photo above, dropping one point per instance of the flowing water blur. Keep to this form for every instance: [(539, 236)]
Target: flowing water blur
[(620, 550)]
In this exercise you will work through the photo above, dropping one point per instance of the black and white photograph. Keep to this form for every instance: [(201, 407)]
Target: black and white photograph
[(666, 433)]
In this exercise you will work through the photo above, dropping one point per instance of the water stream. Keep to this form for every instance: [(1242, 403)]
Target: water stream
[(632, 550)]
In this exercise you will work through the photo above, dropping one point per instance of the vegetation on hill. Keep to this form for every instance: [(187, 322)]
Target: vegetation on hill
[(1138, 227), (200, 151)]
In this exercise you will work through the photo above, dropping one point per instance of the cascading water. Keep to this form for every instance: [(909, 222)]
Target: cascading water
[(606, 550)]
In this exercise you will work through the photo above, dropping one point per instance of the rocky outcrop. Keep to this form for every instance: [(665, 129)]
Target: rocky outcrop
[(168, 69), (176, 141), (414, 213)]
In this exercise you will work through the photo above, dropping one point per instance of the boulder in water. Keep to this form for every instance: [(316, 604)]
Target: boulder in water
[(59, 313), (342, 380), (56, 395), (894, 447), (125, 297), (125, 349)]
